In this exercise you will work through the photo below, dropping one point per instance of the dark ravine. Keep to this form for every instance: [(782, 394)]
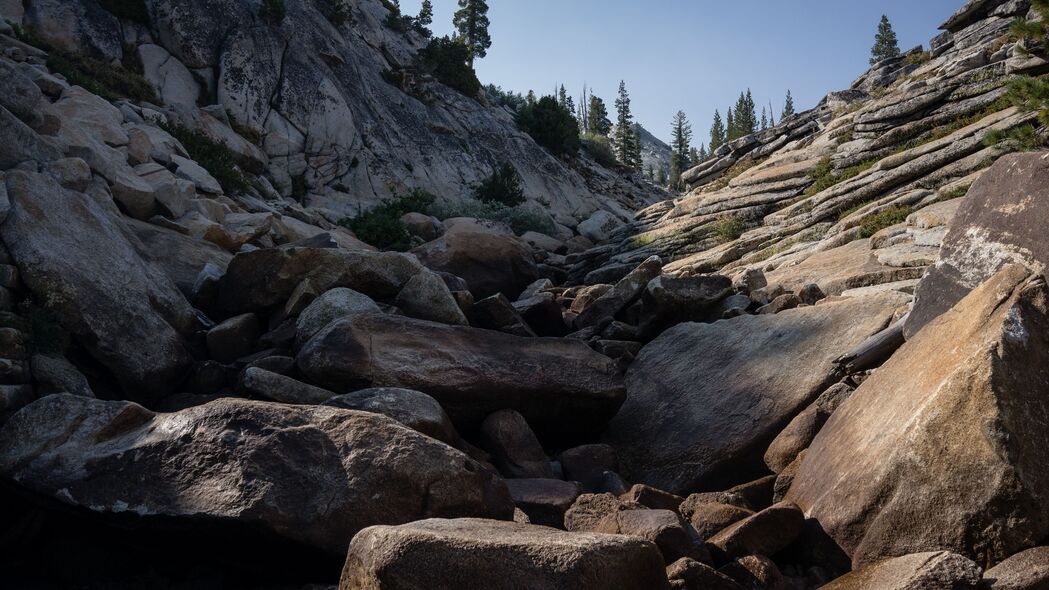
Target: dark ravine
[(823, 366)]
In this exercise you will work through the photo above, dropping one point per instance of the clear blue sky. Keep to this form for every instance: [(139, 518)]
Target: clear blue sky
[(694, 55)]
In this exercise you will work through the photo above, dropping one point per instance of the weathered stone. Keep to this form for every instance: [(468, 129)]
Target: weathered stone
[(781, 303), (995, 224), (544, 242), (75, 255), (497, 313), (600, 226), (674, 300), (810, 294), (426, 297), (933, 571), (234, 338), (187, 169), (448, 554), (19, 143), (54, 374), (544, 500), (679, 403), (765, 533), (279, 388), (333, 305), (491, 263), (426, 227), (517, 453), (543, 314), (653, 498), (586, 296), (674, 537), (754, 572), (264, 278), (932, 433), (588, 463), (847, 267), (801, 431), (689, 574), (710, 519), (1027, 570), (625, 292), (590, 509), (556, 384), (414, 409), (372, 469)]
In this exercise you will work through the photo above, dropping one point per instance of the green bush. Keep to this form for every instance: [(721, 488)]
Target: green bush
[(887, 218), (215, 157), (825, 177), (503, 186), (512, 100), (729, 228), (550, 125), (382, 227), (132, 10), (600, 148), (521, 219), (273, 11), (447, 59), (336, 11)]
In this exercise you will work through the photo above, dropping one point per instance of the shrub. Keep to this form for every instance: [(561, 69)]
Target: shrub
[(825, 177), (550, 125), (886, 218), (512, 100), (382, 227), (336, 11), (215, 157), (521, 219), (729, 228), (273, 11), (447, 59), (600, 148), (503, 186), (955, 193), (395, 20), (1021, 139), (918, 58), (132, 10)]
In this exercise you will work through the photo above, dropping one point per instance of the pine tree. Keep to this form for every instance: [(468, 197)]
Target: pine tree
[(471, 22), (530, 99), (681, 138), (702, 154), (623, 141), (661, 176), (732, 131), (745, 118), (635, 147), (885, 44), (693, 157), (772, 116), (562, 97), (788, 107), (764, 119), (717, 133), (650, 172), (425, 18), (597, 122)]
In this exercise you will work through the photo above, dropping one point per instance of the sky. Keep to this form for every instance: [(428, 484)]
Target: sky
[(692, 55)]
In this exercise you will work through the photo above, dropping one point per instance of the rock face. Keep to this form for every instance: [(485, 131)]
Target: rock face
[(84, 264), (926, 571), (996, 224), (940, 447), (452, 554), (705, 400), (1027, 570), (371, 469), (557, 385)]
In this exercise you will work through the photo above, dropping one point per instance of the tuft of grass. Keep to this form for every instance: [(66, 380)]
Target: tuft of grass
[(215, 157), (918, 58), (824, 176), (954, 193), (728, 228), (887, 218)]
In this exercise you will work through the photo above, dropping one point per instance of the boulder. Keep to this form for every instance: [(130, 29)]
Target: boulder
[(497, 313), (605, 308), (74, 254), (941, 447), (798, 435), (372, 470), (710, 519), (673, 300), (234, 338), (426, 297), (19, 143), (588, 463), (333, 305), (280, 388), (264, 278), (755, 572), (674, 537), (652, 497), (1027, 570), (543, 314), (558, 385), (545, 501), (513, 446), (689, 574), (590, 509), (414, 409), (426, 227), (766, 533), (453, 554), (55, 374), (938, 570), (839, 269), (600, 226), (490, 262), (695, 421), (997, 223)]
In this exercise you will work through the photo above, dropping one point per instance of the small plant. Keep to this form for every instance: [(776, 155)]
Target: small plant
[(887, 218), (954, 193), (446, 59), (132, 10), (395, 20), (382, 226), (824, 176), (599, 147), (215, 157), (336, 11), (1021, 139), (728, 228), (551, 125), (273, 11), (503, 187), (918, 58)]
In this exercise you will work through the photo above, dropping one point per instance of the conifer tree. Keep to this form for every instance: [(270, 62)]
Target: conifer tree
[(623, 143), (885, 44), (530, 99), (661, 176), (732, 131), (717, 132), (650, 172), (562, 97), (693, 157), (597, 122), (745, 118), (471, 22), (635, 147), (788, 107), (681, 139), (702, 154), (772, 116), (425, 18)]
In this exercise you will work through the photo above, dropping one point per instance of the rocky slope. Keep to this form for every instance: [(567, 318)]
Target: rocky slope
[(202, 387)]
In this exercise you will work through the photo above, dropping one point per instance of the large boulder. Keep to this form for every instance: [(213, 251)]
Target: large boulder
[(452, 554), (920, 571), (261, 279), (1000, 221), (558, 385), (490, 262), (943, 447), (77, 257), (1027, 570), (705, 400), (310, 474)]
